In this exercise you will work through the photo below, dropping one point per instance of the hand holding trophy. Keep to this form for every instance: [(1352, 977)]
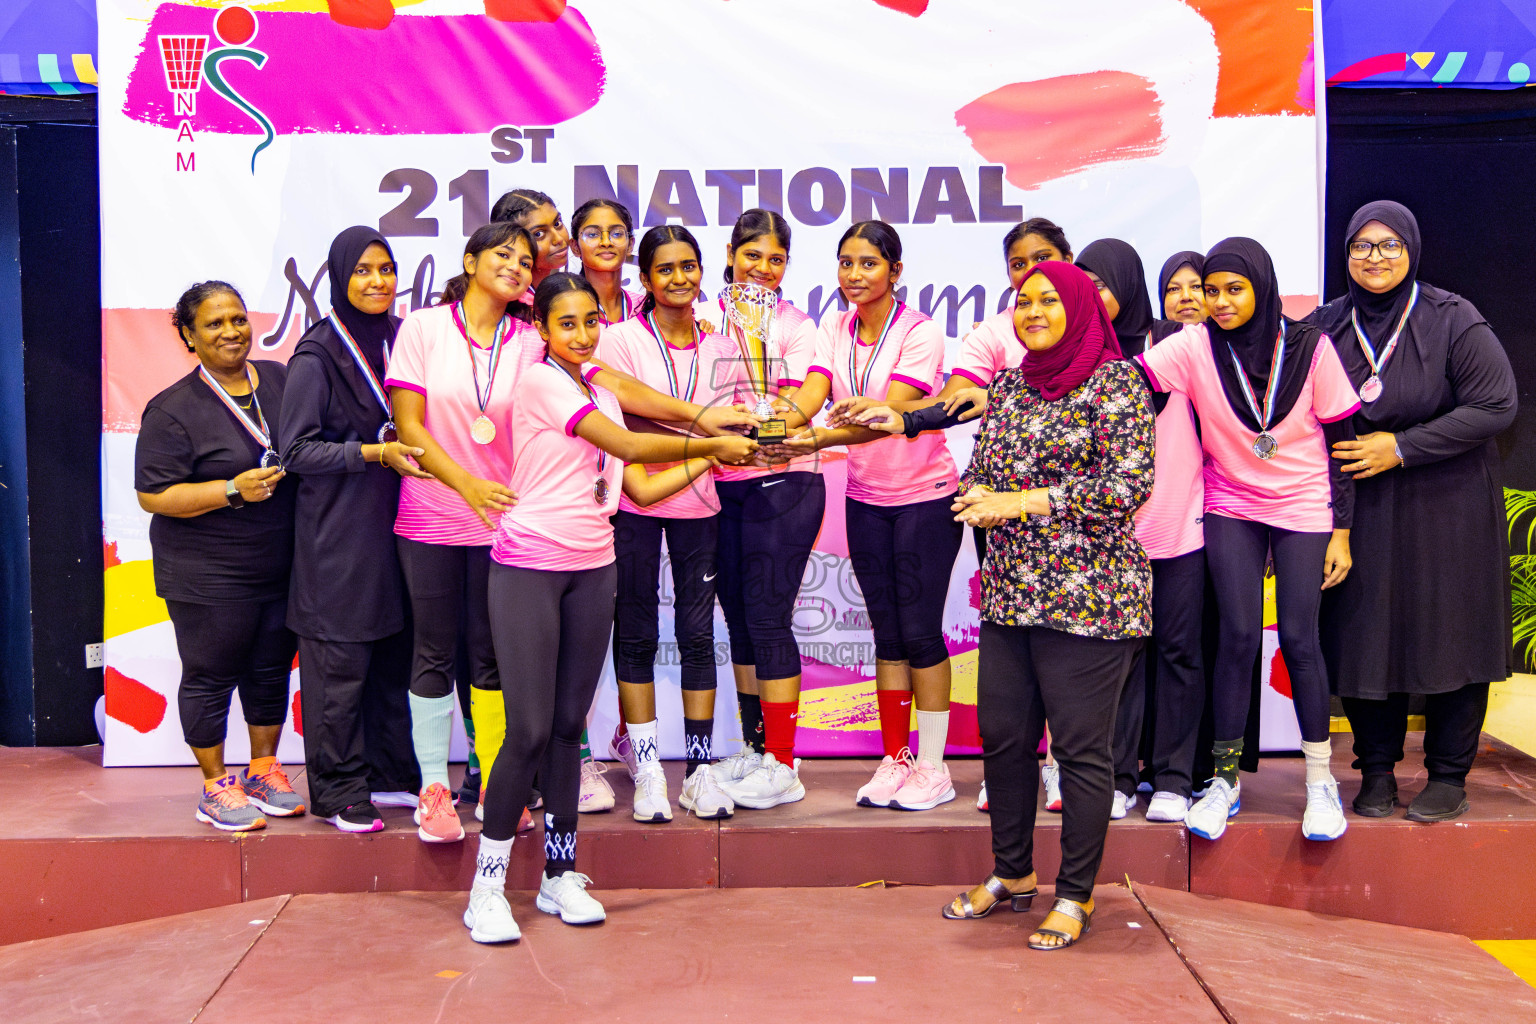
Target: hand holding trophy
[(751, 309)]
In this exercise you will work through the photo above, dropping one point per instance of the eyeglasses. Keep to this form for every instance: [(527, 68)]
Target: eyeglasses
[(615, 235), (1389, 248)]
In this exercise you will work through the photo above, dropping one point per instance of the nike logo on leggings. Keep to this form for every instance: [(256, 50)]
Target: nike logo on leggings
[(770, 483), (709, 577)]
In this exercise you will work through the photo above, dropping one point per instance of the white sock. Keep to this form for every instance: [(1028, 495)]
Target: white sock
[(1318, 755), (642, 740), (932, 733), (431, 732), (491, 863)]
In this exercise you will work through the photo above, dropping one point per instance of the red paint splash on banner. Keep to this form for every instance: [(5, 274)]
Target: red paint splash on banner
[(525, 10), (370, 14), (109, 555), (132, 703), (1279, 675), (915, 8), (1059, 126), (297, 712), (1255, 41), (407, 78)]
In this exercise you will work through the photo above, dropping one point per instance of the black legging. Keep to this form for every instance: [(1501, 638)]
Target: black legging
[(551, 632), (229, 647), (1235, 549), (691, 545), (447, 584), (902, 556), (1026, 674), (768, 526)]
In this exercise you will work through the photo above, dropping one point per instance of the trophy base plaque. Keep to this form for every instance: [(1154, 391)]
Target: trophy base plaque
[(770, 432)]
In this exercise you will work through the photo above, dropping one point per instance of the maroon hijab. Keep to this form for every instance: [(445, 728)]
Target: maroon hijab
[(1088, 344)]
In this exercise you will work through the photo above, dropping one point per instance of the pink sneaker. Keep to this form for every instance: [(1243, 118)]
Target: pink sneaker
[(623, 750), (436, 820), (926, 787), (889, 777)]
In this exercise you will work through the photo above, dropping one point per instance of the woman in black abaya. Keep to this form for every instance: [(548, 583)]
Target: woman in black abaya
[(1426, 608)]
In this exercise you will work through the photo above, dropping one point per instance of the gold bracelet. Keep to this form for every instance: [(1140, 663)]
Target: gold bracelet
[(1023, 497)]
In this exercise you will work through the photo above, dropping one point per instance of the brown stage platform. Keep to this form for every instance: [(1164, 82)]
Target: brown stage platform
[(793, 955), (87, 847)]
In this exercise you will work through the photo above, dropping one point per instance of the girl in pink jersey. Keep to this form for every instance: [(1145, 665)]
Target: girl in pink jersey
[(902, 536), (537, 214), (770, 516), (665, 348), (551, 590), (604, 232), (1272, 397), (451, 378)]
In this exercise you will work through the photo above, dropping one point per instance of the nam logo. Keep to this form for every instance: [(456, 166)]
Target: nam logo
[(188, 61)]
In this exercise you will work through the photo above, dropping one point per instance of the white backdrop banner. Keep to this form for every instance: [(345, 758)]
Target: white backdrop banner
[(236, 141)]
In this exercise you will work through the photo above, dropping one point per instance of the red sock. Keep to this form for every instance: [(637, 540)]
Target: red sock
[(779, 729), (895, 719)]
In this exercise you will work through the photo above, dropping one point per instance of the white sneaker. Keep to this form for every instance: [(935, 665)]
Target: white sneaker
[(703, 795), (651, 801), (981, 798), (1121, 804), (1050, 774), (1324, 817), (567, 896), (489, 916), (731, 769), (1208, 818), (596, 795), (394, 798), (1166, 806), (623, 750), (770, 785)]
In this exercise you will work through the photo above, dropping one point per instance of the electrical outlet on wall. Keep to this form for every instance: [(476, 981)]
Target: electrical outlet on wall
[(95, 655)]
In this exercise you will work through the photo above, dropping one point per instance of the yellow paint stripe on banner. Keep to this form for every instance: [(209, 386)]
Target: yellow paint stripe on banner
[(85, 68), (1270, 618), (130, 598)]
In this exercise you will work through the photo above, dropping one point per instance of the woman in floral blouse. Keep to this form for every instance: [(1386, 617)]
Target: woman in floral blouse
[(1062, 462)]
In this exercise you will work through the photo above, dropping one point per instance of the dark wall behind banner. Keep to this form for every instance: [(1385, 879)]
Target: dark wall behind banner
[(50, 511), (1464, 161)]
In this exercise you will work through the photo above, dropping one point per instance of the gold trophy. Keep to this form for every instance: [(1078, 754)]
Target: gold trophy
[(751, 308)]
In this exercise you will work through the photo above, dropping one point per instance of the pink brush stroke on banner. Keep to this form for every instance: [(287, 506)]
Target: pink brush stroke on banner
[(422, 75)]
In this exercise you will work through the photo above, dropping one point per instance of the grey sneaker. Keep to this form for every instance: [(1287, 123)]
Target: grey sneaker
[(272, 792), (227, 809)]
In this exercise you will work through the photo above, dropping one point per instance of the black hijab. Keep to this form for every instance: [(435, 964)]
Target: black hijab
[(1378, 313), (1116, 264), (1254, 341), (371, 331), (1187, 258)]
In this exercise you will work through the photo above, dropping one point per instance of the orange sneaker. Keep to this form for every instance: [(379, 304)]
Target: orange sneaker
[(436, 819), (224, 806), (271, 791)]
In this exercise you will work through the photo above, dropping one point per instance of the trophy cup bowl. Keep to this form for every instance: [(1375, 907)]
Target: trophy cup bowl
[(751, 308)]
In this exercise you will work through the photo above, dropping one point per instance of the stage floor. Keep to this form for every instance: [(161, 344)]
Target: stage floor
[(93, 847), (851, 955)]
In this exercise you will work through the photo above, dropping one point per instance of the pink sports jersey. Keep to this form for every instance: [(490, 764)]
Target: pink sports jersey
[(432, 357), (1289, 491), (633, 297), (894, 470), (558, 524), (631, 348), (992, 346), (1168, 525), (794, 346)]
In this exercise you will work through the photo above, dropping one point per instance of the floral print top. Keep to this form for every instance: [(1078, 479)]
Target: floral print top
[(1079, 569)]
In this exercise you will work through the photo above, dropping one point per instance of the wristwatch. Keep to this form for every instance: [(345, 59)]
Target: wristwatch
[(232, 495)]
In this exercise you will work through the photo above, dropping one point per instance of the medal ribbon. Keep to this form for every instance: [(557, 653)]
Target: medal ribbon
[(586, 390), (862, 387), (259, 430), (666, 355), (503, 332), (374, 384), (1274, 381), (1386, 353)]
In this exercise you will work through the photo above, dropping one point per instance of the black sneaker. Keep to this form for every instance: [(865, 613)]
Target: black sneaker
[(363, 817), (1439, 801), (469, 791), (1377, 797)]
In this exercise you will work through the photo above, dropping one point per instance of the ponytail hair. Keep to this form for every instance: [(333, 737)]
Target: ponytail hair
[(654, 239), (490, 236), (754, 224), (516, 204), (556, 285), (1045, 229), (877, 233)]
